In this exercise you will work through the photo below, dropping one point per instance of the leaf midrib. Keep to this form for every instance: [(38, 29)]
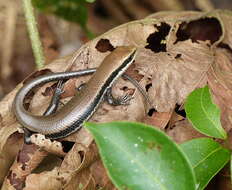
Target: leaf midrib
[(207, 116), (151, 176), (212, 152)]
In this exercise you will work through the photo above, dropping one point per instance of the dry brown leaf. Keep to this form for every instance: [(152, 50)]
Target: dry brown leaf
[(53, 147), (183, 131), (221, 86), (28, 158), (175, 73), (174, 16), (76, 172), (83, 180), (8, 154), (226, 22), (8, 123), (73, 159), (175, 118), (174, 56), (5, 134), (100, 175), (159, 119), (49, 180)]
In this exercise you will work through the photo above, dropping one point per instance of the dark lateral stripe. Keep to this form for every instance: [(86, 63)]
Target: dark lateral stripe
[(91, 108)]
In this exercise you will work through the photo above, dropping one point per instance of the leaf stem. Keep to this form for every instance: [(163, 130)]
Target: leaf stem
[(33, 33)]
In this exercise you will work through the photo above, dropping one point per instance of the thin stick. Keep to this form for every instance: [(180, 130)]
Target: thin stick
[(33, 33)]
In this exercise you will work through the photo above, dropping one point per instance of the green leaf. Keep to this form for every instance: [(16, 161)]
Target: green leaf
[(203, 114), (90, 1), (72, 10), (140, 157), (207, 158)]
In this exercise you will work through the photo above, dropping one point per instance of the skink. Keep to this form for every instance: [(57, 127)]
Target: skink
[(81, 107)]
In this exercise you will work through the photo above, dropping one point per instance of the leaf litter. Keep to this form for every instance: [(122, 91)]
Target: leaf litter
[(176, 55)]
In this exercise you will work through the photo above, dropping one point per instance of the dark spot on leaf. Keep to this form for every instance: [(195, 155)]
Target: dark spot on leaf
[(156, 41), (202, 29), (98, 186), (170, 127), (158, 148), (17, 183), (180, 111), (67, 145), (124, 88), (104, 45), (151, 111), (23, 166), (148, 86), (153, 145), (177, 56), (166, 127), (225, 46), (62, 180), (82, 154)]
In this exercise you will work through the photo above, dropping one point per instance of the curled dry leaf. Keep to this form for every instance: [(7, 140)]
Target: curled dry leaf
[(80, 175), (176, 54), (28, 158), (53, 147), (8, 154)]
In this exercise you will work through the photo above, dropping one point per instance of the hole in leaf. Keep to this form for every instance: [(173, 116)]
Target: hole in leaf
[(148, 86), (67, 145), (225, 46), (156, 41), (82, 154), (151, 111), (202, 29), (124, 88), (180, 111), (104, 45), (177, 56)]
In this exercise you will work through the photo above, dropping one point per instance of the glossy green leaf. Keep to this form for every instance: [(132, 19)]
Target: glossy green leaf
[(72, 10), (140, 157), (203, 114), (207, 158)]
